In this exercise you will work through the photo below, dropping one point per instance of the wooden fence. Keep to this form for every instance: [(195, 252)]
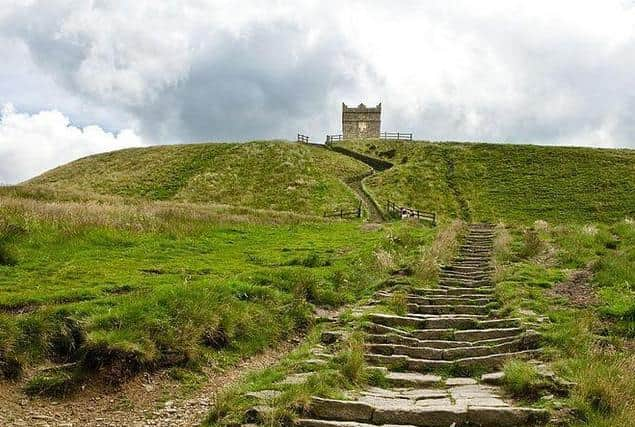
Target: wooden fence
[(396, 136), (393, 136), (404, 212), (334, 138), (303, 139), (345, 213)]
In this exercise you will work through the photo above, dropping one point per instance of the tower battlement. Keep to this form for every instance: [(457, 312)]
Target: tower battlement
[(361, 122)]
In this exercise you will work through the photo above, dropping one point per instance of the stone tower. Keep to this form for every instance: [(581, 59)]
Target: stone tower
[(361, 121)]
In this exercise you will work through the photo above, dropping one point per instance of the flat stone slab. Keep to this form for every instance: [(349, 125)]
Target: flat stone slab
[(412, 379), (460, 381), (495, 378)]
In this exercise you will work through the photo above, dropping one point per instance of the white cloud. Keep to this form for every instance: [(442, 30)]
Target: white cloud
[(31, 144), (501, 70)]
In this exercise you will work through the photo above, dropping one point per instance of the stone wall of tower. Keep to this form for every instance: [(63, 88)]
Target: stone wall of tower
[(361, 122)]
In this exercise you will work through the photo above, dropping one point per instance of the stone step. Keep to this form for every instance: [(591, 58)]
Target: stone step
[(412, 379), (476, 247), (464, 274), (485, 253), (473, 259), (469, 278), (446, 334), (418, 352), (455, 290), (453, 282), (462, 264), (474, 284), (431, 412), (476, 275), (500, 323), (486, 334), (477, 263), (393, 338), (457, 300), (480, 246), (448, 309), (443, 339), (487, 363), (443, 290), (440, 417), (465, 268), (433, 322)]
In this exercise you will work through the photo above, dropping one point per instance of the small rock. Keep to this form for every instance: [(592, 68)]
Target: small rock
[(493, 378)]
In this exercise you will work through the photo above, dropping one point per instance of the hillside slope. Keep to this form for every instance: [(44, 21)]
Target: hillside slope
[(273, 175), (509, 182)]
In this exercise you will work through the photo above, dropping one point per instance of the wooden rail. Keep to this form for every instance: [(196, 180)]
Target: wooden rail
[(393, 136), (404, 212), (303, 139), (342, 213), (396, 136), (334, 138)]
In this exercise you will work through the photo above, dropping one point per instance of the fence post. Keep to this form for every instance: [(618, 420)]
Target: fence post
[(359, 210), (341, 213)]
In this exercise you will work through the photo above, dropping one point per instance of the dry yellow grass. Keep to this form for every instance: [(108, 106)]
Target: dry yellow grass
[(140, 215), (440, 251)]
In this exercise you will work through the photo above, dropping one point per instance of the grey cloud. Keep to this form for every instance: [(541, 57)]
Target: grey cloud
[(265, 80), (265, 85)]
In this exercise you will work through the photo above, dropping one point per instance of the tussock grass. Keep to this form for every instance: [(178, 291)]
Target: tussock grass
[(441, 251), (522, 380), (8, 235), (54, 384), (591, 346), (605, 395), (123, 288), (398, 302), (351, 360)]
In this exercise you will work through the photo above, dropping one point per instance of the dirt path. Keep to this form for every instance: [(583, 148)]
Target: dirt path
[(374, 214), (148, 400), (450, 177), (377, 165)]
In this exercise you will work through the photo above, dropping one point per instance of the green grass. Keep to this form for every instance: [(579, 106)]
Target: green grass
[(263, 175), (514, 183), (590, 345), (346, 371), (146, 292)]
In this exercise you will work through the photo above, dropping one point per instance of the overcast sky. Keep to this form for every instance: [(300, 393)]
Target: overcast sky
[(80, 76)]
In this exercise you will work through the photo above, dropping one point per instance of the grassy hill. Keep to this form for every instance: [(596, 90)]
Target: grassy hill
[(272, 175), (120, 288), (177, 257), (505, 182)]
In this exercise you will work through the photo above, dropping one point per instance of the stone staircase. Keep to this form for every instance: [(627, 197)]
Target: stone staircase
[(440, 359)]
